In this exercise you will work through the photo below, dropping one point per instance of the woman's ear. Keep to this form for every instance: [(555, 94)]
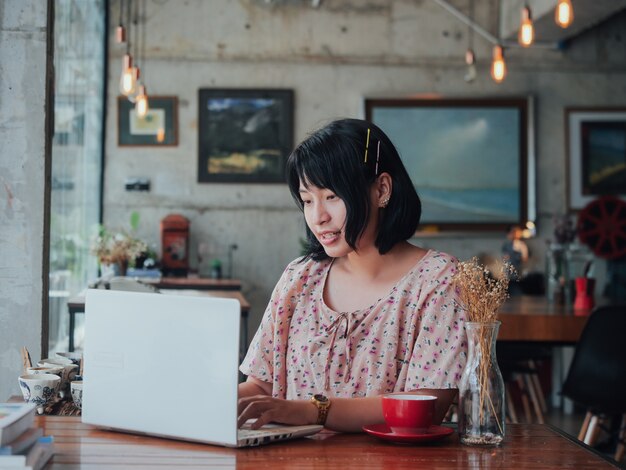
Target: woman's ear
[(384, 185)]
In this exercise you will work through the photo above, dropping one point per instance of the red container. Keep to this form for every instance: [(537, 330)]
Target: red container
[(584, 302), (175, 245)]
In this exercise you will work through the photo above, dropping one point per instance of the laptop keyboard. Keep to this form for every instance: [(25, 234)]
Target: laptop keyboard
[(265, 435)]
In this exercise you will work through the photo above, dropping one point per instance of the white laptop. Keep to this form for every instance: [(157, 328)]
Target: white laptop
[(167, 365)]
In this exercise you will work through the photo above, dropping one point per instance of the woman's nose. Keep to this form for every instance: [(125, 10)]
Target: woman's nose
[(320, 214)]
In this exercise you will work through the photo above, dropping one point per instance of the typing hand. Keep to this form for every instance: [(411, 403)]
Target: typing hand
[(275, 410)]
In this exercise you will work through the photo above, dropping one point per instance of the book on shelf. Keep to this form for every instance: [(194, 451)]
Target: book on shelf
[(22, 442), (34, 458), (15, 419)]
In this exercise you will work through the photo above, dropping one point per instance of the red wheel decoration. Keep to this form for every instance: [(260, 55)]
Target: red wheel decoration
[(602, 227)]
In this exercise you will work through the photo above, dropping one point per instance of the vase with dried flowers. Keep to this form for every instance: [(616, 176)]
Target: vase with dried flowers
[(481, 391), (118, 248), (558, 255)]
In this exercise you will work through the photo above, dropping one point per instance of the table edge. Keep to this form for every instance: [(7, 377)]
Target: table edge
[(584, 446)]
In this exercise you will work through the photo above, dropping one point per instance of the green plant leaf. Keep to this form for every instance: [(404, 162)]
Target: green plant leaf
[(134, 221)]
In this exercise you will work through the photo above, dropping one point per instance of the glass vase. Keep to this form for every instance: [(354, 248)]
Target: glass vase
[(558, 274), (481, 392)]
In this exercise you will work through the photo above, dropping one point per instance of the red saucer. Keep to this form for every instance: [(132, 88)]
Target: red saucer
[(382, 431)]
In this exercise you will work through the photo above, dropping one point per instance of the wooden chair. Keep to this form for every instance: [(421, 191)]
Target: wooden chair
[(597, 376)]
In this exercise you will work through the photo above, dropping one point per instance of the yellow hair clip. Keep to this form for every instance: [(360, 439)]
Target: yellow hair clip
[(367, 143)]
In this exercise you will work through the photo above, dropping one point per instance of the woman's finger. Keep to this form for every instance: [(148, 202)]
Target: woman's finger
[(263, 419), (252, 410), (243, 403)]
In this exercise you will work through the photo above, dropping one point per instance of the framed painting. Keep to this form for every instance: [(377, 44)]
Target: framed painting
[(596, 154), (468, 158), (244, 135), (158, 128)]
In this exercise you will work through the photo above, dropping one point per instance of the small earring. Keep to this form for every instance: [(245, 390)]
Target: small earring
[(384, 202)]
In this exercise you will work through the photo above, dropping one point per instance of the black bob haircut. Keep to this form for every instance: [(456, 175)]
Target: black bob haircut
[(334, 158)]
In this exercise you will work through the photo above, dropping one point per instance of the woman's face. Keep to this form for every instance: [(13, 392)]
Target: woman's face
[(325, 215)]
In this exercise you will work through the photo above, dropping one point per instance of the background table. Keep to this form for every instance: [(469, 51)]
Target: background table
[(534, 319), (192, 282), (526, 446)]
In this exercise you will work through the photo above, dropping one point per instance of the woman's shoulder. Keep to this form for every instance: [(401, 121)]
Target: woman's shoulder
[(439, 258), (301, 269), (436, 263)]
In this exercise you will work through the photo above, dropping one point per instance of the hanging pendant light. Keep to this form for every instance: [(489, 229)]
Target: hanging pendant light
[(526, 29), (470, 60), (136, 72), (128, 78), (498, 66), (564, 13), (470, 57), (120, 31), (141, 102)]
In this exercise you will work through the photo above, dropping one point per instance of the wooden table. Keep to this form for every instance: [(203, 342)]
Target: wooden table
[(193, 282), (77, 305), (526, 446), (534, 319)]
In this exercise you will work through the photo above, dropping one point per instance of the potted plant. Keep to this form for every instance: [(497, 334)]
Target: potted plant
[(118, 248)]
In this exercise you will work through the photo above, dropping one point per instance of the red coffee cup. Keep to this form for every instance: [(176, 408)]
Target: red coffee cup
[(409, 414)]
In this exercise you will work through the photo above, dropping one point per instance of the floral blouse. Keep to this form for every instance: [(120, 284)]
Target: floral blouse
[(412, 338)]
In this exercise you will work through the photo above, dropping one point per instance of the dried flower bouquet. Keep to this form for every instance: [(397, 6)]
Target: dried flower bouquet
[(481, 293), (117, 247)]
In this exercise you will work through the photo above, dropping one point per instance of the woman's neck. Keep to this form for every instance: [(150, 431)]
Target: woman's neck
[(371, 265), (358, 280)]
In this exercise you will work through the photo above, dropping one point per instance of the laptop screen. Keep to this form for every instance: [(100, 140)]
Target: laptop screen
[(162, 364)]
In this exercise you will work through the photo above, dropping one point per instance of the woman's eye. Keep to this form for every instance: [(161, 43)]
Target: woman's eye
[(306, 202), (330, 197)]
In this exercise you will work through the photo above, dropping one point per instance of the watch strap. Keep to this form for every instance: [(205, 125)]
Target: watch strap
[(323, 405)]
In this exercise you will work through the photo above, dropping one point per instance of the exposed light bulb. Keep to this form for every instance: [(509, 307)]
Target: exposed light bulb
[(160, 137), (141, 103), (120, 34), (128, 79), (132, 96), (526, 30), (529, 230), (470, 60), (498, 66), (564, 13)]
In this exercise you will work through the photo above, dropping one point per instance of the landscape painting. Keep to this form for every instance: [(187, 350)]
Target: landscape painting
[(467, 158), (244, 135)]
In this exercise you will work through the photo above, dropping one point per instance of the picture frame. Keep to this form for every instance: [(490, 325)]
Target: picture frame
[(596, 154), (453, 147), (244, 135), (159, 128)]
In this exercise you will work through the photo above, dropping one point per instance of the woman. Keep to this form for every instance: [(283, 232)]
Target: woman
[(364, 313)]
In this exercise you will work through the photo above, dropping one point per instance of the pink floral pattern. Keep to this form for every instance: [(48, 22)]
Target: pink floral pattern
[(413, 338)]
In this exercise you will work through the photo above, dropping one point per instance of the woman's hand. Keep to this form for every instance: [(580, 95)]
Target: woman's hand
[(267, 409)]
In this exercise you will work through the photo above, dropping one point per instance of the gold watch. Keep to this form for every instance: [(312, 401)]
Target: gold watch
[(323, 405)]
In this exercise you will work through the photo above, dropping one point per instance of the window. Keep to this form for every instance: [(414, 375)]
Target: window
[(77, 150)]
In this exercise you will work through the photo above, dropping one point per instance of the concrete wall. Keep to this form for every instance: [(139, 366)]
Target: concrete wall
[(332, 57), (22, 176)]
